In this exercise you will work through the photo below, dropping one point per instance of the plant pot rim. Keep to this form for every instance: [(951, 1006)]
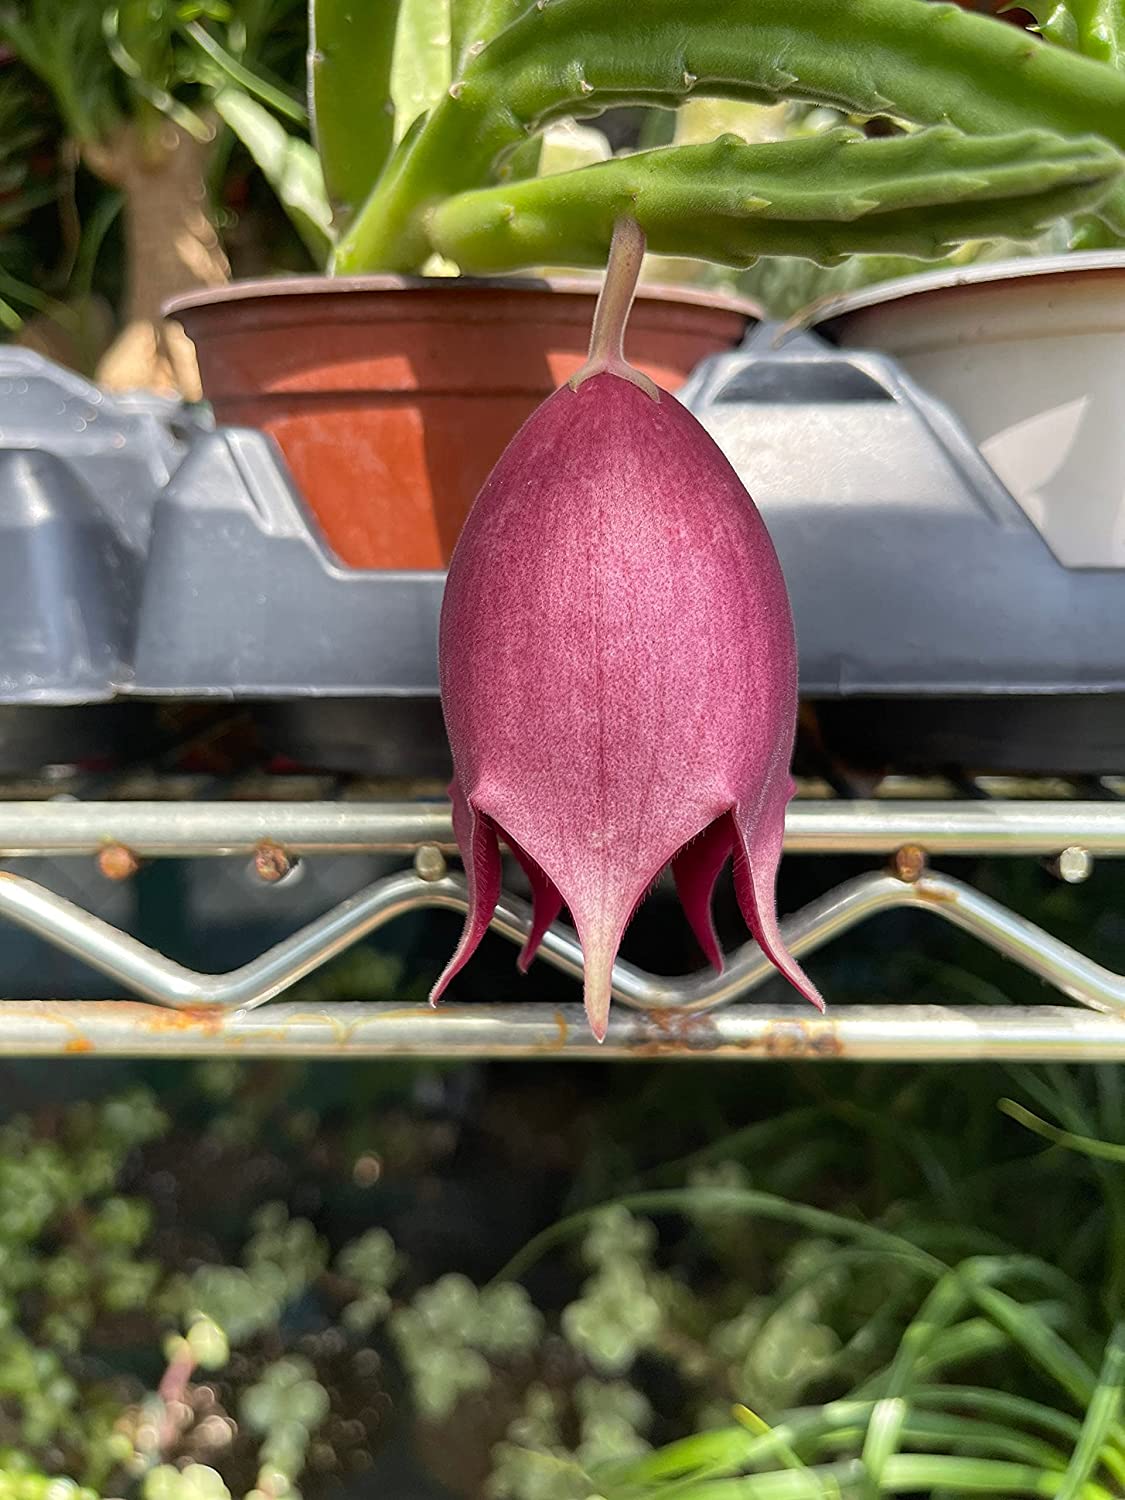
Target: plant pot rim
[(269, 287), (1072, 266)]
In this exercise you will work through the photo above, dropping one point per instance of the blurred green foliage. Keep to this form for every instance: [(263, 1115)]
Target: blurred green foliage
[(858, 1246), (75, 74)]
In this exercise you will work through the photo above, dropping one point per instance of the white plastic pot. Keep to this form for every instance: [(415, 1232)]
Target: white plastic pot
[(1030, 356)]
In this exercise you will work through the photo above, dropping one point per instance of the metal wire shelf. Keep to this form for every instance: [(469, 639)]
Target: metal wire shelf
[(278, 820)]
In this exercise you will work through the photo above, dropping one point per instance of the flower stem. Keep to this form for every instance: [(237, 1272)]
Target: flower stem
[(607, 337)]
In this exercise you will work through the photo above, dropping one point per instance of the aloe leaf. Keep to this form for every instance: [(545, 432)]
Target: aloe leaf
[(289, 164), (420, 69), (824, 197), (703, 1455), (245, 78)]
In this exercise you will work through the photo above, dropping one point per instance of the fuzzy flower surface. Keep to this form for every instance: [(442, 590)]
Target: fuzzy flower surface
[(618, 672)]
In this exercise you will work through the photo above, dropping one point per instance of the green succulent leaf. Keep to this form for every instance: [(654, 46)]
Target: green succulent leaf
[(287, 1394), (475, 22), (132, 1119), (351, 47), (195, 1482), (615, 1318), (824, 197), (289, 164), (208, 1344), (230, 68), (371, 1260), (420, 68), (284, 1253), (122, 1222), (1095, 28), (232, 1300), (616, 1235), (508, 1321)]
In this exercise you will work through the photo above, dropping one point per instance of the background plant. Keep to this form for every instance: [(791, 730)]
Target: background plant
[(27, 183), (131, 96), (842, 1280), (444, 161), (168, 116)]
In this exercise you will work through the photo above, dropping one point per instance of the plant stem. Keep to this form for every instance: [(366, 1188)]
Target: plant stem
[(172, 245), (607, 337)]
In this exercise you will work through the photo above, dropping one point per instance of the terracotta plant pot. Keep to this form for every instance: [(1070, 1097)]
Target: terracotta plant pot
[(392, 399)]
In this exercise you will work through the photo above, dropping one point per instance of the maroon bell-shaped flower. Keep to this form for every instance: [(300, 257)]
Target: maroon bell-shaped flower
[(618, 667)]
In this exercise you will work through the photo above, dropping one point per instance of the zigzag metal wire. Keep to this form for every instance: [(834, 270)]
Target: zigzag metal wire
[(156, 978), (217, 1011)]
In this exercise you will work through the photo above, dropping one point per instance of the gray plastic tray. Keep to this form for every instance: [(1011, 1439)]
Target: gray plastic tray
[(147, 556)]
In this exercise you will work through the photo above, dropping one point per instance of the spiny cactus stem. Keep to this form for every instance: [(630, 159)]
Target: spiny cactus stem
[(607, 338), (932, 64), (821, 197)]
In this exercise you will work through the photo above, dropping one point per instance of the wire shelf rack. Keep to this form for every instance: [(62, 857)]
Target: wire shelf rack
[(900, 824)]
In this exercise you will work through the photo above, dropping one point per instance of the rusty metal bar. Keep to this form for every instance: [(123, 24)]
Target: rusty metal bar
[(205, 1014), (881, 1033), (875, 827), (185, 830)]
